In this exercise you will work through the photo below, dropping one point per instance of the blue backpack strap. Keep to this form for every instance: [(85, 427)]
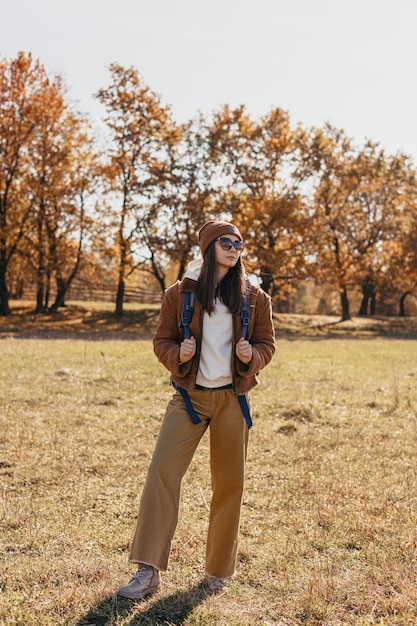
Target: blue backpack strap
[(245, 315), (244, 407), (187, 312), (186, 317), (191, 410), (245, 310)]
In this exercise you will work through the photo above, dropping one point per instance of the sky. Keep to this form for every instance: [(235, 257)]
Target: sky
[(352, 63)]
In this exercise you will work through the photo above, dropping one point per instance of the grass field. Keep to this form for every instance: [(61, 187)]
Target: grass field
[(328, 530)]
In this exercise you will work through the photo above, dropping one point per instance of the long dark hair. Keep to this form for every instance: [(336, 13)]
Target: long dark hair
[(230, 289)]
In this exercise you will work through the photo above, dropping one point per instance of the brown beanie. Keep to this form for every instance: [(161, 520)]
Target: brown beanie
[(213, 230)]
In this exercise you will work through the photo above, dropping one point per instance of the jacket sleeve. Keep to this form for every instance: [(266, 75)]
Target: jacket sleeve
[(167, 339), (262, 337)]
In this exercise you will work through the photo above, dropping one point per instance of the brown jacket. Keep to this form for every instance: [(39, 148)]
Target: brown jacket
[(168, 337)]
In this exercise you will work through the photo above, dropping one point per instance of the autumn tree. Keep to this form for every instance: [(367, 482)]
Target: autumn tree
[(336, 177), (58, 180), (379, 216), (407, 271), (70, 217), (264, 191), (141, 133), (182, 203), (357, 206), (22, 85), (399, 271)]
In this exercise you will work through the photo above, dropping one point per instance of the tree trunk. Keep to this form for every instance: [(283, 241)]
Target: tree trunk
[(344, 300), (63, 285), (363, 309), (40, 307), (61, 291), (183, 265), (4, 294), (47, 291), (368, 299), (41, 269), (40, 288), (123, 249), (266, 280), (120, 296), (159, 275), (402, 303)]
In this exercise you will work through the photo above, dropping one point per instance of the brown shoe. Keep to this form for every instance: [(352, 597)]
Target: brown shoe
[(213, 584), (146, 581)]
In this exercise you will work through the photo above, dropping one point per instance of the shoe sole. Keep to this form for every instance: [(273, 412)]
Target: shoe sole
[(148, 592)]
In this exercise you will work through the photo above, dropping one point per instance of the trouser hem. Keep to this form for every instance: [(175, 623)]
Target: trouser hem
[(137, 562)]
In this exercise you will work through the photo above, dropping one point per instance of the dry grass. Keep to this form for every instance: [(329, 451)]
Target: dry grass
[(329, 520)]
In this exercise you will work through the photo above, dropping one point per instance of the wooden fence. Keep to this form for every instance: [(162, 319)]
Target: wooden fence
[(94, 293)]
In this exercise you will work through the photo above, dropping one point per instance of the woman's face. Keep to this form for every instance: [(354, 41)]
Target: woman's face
[(226, 254)]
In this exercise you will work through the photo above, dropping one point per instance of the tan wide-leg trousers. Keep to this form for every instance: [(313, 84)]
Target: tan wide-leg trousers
[(175, 447)]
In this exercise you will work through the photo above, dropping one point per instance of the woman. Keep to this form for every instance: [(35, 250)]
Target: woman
[(212, 372)]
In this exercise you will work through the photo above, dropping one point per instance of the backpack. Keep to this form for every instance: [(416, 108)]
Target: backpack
[(186, 317), (188, 310)]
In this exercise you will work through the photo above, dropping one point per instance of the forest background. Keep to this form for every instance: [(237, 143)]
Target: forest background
[(330, 226)]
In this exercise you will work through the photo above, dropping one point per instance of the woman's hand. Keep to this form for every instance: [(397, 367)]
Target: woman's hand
[(244, 350), (187, 350)]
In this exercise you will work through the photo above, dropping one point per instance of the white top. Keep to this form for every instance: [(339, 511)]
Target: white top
[(215, 367)]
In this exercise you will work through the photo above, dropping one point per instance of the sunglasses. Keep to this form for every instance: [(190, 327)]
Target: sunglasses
[(227, 244)]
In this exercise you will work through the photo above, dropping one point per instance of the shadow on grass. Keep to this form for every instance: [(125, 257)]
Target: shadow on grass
[(168, 610), (78, 323)]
